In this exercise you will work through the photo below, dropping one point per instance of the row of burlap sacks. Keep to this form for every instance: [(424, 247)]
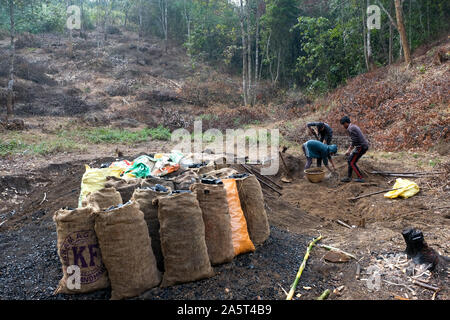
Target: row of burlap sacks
[(159, 238)]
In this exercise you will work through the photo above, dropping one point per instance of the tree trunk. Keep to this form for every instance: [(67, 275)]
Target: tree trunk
[(249, 55), (266, 55), (390, 38), (187, 16), (244, 53), (163, 12), (278, 65), (369, 47), (10, 90), (141, 9), (366, 57), (70, 43), (402, 31), (82, 20), (256, 59)]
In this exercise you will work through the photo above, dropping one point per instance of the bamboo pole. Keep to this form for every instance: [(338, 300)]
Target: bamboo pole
[(260, 180), (324, 295), (302, 267)]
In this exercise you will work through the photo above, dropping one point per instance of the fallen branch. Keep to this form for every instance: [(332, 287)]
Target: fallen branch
[(336, 249), (373, 193), (302, 267), (3, 223), (45, 197), (425, 285)]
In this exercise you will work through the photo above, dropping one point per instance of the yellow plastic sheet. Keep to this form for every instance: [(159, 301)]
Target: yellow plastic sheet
[(407, 189), (94, 180)]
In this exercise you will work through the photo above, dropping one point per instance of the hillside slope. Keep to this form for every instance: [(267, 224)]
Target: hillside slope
[(400, 108)]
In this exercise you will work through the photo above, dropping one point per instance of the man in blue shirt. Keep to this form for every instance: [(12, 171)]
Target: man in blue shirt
[(314, 149)]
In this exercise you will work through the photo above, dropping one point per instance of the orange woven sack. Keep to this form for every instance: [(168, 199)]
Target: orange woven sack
[(241, 239)]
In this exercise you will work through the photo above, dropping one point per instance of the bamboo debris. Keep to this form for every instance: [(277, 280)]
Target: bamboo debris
[(265, 177), (337, 250), (342, 223), (302, 267), (324, 295), (260, 180)]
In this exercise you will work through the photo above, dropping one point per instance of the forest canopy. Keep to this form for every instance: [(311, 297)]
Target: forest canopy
[(313, 44)]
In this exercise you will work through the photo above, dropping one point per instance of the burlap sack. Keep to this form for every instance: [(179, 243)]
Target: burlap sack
[(144, 198), (183, 239), (151, 182), (126, 249), (252, 204), (125, 187), (78, 245), (186, 179), (103, 199), (218, 237)]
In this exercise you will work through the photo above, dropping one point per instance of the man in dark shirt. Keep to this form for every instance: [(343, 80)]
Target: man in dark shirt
[(357, 149), (325, 131)]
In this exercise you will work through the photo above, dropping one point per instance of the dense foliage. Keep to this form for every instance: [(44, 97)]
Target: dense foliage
[(316, 44)]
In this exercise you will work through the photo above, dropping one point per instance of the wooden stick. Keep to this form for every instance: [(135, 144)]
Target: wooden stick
[(343, 224), (284, 163), (263, 182), (425, 285), (302, 267), (406, 174), (45, 197), (373, 193), (265, 177), (336, 249)]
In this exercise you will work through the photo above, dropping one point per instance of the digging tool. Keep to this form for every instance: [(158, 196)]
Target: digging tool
[(287, 178), (302, 267)]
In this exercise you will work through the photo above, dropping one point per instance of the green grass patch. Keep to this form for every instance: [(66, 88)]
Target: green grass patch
[(16, 146), (12, 147), (111, 135)]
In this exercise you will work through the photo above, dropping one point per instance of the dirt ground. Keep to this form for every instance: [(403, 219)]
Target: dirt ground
[(30, 268)]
